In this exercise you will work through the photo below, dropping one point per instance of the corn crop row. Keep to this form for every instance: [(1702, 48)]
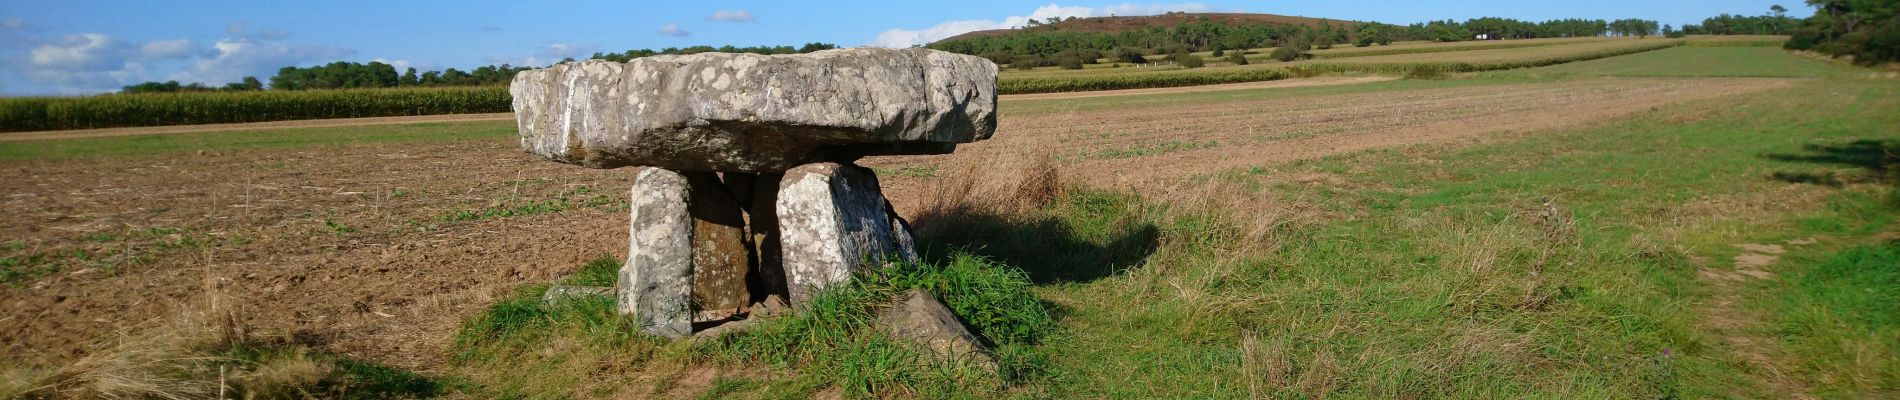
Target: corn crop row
[(157, 109)]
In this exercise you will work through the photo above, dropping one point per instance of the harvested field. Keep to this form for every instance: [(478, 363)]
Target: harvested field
[(1496, 55), (1345, 51), (1116, 149), (378, 250), (1463, 52), (1738, 62)]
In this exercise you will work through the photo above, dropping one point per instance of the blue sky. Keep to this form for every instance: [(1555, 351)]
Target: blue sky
[(88, 46)]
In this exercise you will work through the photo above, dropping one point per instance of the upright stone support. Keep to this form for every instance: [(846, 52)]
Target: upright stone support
[(721, 256), (655, 285), (765, 235), (834, 221)]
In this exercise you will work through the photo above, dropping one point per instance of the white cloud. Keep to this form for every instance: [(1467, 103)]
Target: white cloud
[(13, 23), (79, 63), (488, 28), (235, 58), (163, 49), (732, 16), (673, 30), (84, 63), (549, 54), (565, 50), (85, 52), (908, 38)]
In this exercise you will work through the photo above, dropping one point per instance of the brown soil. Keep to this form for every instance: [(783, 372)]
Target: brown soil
[(356, 248)]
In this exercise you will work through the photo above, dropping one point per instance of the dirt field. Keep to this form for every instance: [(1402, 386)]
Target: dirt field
[(379, 251)]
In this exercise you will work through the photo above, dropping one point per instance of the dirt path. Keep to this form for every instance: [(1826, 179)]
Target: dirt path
[(1740, 329), (343, 122), (380, 250)]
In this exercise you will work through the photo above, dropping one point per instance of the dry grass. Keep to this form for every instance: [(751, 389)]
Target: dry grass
[(200, 351), (165, 361), (1011, 183)]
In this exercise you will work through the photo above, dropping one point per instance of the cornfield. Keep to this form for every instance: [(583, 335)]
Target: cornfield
[(156, 109)]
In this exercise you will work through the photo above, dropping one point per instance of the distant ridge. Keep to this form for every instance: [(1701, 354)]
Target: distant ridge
[(1118, 24)]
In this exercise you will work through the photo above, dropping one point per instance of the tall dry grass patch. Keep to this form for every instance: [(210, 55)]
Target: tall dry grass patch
[(164, 360), (203, 351), (1252, 218), (995, 183)]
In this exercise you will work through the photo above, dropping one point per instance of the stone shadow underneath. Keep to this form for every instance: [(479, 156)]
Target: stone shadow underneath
[(1049, 249), (1878, 160)]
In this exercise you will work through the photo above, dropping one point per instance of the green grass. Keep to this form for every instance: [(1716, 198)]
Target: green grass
[(1697, 61), (521, 348), (1839, 312), (1154, 149), (1442, 273), (169, 144)]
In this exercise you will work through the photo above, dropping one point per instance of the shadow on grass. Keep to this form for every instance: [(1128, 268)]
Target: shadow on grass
[(1879, 159), (346, 377), (1085, 237)]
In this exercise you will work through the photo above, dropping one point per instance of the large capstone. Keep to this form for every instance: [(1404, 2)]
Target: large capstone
[(656, 283), (755, 113), (833, 221)]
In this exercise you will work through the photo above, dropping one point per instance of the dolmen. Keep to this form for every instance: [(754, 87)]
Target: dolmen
[(748, 190)]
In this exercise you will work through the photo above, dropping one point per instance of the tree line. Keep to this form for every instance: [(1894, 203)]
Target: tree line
[(249, 83), (1776, 22), (353, 75), (1867, 30), (1045, 45)]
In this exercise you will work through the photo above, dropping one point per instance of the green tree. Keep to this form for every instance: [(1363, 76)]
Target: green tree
[(1069, 62), (1293, 50), (1130, 55), (1189, 60)]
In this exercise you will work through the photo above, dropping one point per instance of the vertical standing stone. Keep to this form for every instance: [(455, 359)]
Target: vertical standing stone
[(721, 257), (833, 221), (655, 285), (765, 235)]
